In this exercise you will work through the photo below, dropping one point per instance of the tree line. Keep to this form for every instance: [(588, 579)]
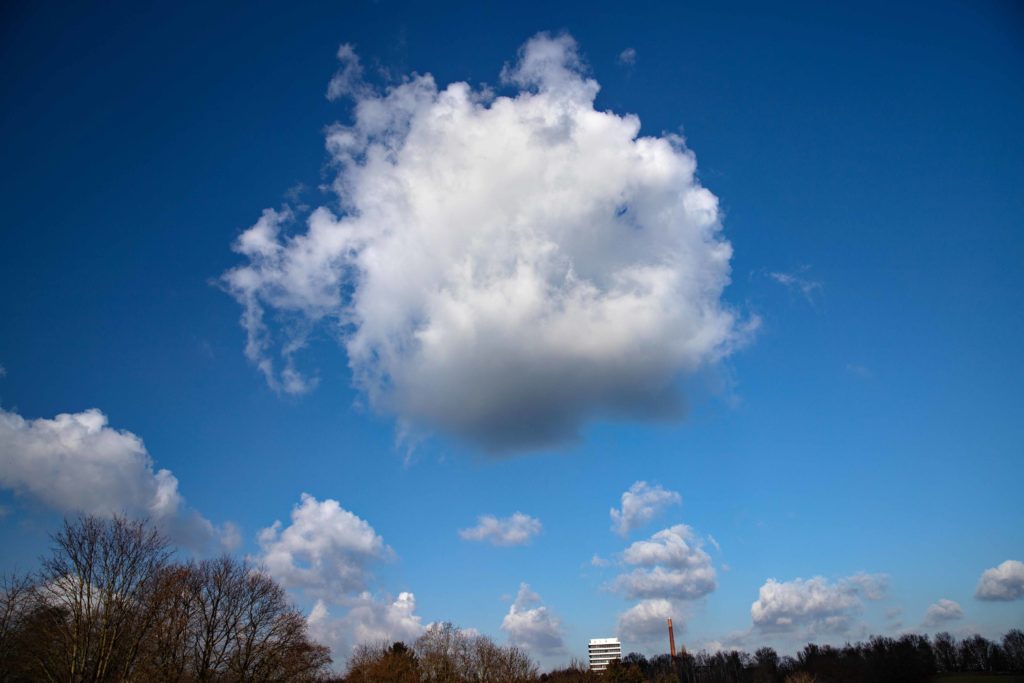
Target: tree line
[(907, 659), (109, 604), (446, 655), (443, 654)]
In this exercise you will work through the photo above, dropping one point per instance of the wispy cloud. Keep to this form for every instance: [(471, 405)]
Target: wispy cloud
[(348, 79), (799, 282), (628, 56), (861, 371)]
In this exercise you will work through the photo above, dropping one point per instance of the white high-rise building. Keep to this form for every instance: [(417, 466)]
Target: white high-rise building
[(602, 651)]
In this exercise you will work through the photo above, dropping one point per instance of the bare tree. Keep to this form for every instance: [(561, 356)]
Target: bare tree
[(93, 598), (945, 648), (800, 677), (168, 656), (1013, 648), (448, 654), (109, 606), (976, 654), (216, 588), (15, 598), (383, 663), (491, 663), (223, 620), (576, 672), (271, 643), (443, 652)]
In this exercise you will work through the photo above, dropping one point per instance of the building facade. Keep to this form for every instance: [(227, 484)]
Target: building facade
[(602, 651)]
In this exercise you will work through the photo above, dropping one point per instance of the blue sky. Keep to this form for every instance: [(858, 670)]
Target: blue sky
[(856, 412)]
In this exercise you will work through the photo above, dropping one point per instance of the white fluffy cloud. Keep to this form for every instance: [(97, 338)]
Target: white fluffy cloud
[(515, 530), (687, 584), (647, 621), (814, 604), (503, 269), (367, 620), (328, 553), (530, 625), (640, 504), (943, 611), (326, 550), (676, 547), (76, 463), (1004, 582), (672, 564)]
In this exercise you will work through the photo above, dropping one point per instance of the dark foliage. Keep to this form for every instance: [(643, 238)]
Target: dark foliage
[(908, 659)]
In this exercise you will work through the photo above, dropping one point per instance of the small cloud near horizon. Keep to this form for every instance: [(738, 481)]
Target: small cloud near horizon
[(532, 626), (942, 612)]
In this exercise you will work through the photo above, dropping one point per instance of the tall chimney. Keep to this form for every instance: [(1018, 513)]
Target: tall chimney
[(671, 639)]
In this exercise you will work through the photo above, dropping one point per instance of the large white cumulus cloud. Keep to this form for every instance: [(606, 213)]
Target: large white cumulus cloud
[(76, 463), (502, 268)]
